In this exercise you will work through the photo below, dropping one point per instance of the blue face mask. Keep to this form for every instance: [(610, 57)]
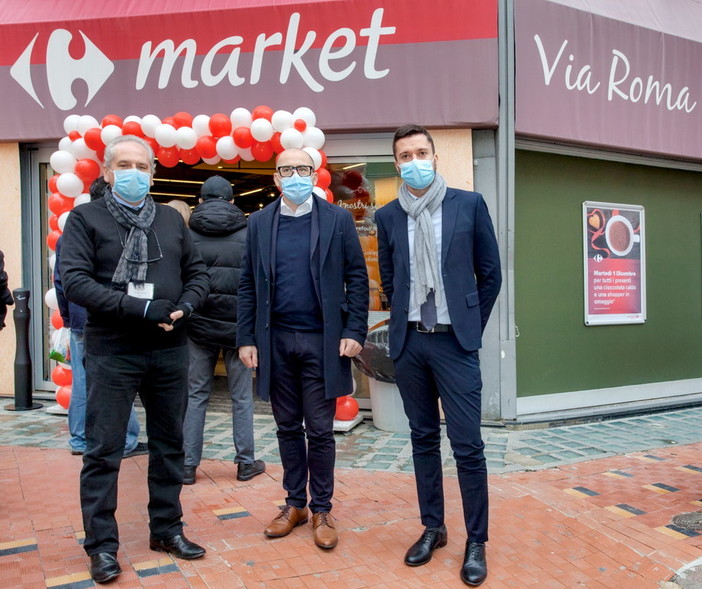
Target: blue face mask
[(418, 174), (297, 188), (131, 185)]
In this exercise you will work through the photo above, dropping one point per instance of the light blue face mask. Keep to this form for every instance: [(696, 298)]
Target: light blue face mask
[(131, 185), (418, 174), (297, 188)]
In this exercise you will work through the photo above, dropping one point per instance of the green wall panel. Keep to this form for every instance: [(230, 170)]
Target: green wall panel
[(556, 352)]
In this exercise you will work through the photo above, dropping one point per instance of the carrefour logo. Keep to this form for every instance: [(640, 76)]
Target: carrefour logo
[(62, 70)]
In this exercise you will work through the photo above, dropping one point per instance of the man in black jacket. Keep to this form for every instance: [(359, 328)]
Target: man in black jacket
[(131, 263), (219, 233), (5, 295)]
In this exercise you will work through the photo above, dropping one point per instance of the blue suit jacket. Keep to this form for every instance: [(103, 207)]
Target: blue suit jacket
[(470, 266), (341, 281)]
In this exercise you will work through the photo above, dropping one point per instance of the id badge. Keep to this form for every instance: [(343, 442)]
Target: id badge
[(141, 291)]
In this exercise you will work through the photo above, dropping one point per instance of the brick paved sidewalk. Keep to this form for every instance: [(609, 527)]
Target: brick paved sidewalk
[(603, 523)]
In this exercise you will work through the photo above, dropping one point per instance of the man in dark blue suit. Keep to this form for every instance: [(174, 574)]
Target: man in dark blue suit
[(440, 269), (303, 313)]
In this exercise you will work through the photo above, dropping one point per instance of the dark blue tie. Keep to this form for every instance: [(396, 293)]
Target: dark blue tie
[(428, 312)]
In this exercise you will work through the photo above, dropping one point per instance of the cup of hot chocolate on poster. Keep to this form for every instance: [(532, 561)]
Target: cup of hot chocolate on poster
[(620, 235)]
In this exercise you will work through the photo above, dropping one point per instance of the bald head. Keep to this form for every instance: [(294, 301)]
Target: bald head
[(294, 157)]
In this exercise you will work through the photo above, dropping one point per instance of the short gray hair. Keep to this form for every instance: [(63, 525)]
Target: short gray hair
[(110, 149)]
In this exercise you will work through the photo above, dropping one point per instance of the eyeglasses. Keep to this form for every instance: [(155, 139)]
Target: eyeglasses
[(287, 171), (149, 260)]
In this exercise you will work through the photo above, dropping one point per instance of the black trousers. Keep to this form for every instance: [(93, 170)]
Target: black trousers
[(297, 393), (161, 379), (432, 366)]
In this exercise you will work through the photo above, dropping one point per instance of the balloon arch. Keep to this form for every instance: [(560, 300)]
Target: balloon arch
[(243, 135)]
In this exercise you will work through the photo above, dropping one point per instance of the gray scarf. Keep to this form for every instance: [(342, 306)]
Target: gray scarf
[(132, 265), (426, 264)]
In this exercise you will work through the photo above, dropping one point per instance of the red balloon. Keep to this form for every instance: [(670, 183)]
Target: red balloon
[(323, 178), (346, 408), (100, 153), (220, 125), (59, 204), (206, 146), (242, 137), (275, 143), (61, 376), (132, 128), (152, 142), (87, 170), (262, 151), (189, 156), (52, 238), (63, 396), (52, 183), (324, 159), (300, 124), (93, 139), (232, 161), (57, 322), (262, 112), (111, 120), (168, 156), (182, 119), (53, 223), (330, 195), (168, 121), (73, 135)]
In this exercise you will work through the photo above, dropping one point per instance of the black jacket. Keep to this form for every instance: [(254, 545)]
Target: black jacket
[(219, 232), (90, 250), (5, 295)]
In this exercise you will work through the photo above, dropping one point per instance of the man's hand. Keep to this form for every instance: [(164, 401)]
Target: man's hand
[(175, 315), (159, 311), (249, 356), (349, 347)]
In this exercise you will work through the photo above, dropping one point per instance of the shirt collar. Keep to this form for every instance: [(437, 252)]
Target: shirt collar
[(302, 209)]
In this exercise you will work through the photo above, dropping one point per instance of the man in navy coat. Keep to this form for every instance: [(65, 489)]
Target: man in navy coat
[(440, 269), (303, 313)]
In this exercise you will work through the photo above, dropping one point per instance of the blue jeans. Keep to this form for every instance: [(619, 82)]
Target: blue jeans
[(76, 409), (201, 373)]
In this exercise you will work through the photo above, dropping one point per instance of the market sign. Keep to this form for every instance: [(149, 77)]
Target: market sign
[(592, 79), (359, 64), (614, 263)]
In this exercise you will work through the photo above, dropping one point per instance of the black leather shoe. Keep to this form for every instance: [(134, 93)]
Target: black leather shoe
[(104, 567), (245, 472), (474, 569), (179, 546), (420, 552), (189, 475)]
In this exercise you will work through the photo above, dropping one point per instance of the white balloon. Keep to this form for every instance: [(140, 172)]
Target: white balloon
[(109, 133), (291, 138), (66, 145), (211, 161), (62, 220), (261, 129), (245, 154), (86, 122), (240, 117), (315, 155), (81, 199), (132, 118), (70, 123), (201, 125), (319, 191), (81, 150), (62, 161), (69, 185), (149, 125), (166, 135), (186, 138), (281, 120), (52, 262), (50, 299), (306, 115), (226, 149), (313, 137)]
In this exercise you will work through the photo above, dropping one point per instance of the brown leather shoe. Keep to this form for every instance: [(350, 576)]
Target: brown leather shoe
[(325, 535), (285, 521)]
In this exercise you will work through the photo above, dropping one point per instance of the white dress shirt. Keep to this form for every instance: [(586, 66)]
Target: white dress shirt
[(302, 209)]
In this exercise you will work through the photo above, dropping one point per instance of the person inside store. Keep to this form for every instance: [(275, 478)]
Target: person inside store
[(132, 264), (440, 269), (73, 317), (301, 335), (182, 207), (6, 299), (218, 229)]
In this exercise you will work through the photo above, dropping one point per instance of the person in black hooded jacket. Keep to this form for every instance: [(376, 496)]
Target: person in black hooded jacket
[(218, 228)]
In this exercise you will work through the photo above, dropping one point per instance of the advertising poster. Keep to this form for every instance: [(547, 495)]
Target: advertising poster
[(615, 263)]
